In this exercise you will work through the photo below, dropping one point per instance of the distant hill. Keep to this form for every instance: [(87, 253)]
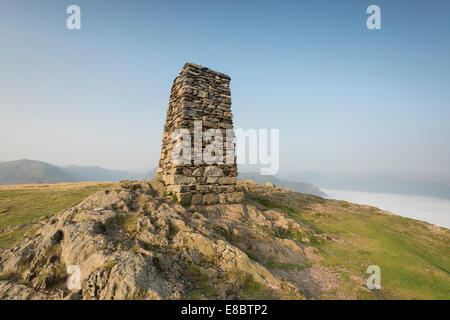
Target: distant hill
[(31, 171), (93, 173), (149, 175), (377, 181)]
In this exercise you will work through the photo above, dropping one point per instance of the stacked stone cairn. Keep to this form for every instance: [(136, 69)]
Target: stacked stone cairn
[(200, 100)]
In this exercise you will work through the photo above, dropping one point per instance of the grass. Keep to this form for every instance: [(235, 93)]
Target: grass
[(253, 290), (128, 221), (202, 280), (414, 261), (21, 204), (10, 237), (273, 205), (107, 267), (248, 287), (24, 203), (10, 276)]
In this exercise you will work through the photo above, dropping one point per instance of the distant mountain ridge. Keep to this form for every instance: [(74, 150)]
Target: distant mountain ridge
[(30, 171), (95, 173), (33, 171)]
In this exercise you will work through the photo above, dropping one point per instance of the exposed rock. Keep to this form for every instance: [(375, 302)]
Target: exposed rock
[(212, 171), (133, 242), (269, 185), (14, 291)]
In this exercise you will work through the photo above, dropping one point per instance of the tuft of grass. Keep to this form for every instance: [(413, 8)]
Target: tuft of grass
[(150, 247), (10, 276), (273, 205), (203, 283), (134, 249), (253, 290), (56, 278), (227, 235), (128, 221), (25, 283), (173, 196), (109, 265), (266, 229), (251, 256)]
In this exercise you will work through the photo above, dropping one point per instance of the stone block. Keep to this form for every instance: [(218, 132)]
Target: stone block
[(178, 188), (222, 198), (180, 179), (236, 197), (227, 180), (212, 180), (198, 172), (197, 198), (210, 198), (213, 171)]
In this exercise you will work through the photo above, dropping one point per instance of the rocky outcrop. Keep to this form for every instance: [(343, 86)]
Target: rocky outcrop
[(133, 242)]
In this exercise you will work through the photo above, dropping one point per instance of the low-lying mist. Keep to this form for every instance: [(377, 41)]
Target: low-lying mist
[(429, 209)]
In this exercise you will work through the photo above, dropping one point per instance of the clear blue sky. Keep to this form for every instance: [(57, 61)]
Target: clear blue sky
[(344, 97)]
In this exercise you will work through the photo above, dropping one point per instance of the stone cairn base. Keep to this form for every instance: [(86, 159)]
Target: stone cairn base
[(200, 94)]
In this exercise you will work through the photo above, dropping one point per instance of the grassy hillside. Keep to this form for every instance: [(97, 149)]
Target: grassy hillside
[(21, 204), (414, 256), (31, 171)]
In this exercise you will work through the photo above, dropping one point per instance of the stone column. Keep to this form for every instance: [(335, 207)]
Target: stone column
[(200, 103)]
